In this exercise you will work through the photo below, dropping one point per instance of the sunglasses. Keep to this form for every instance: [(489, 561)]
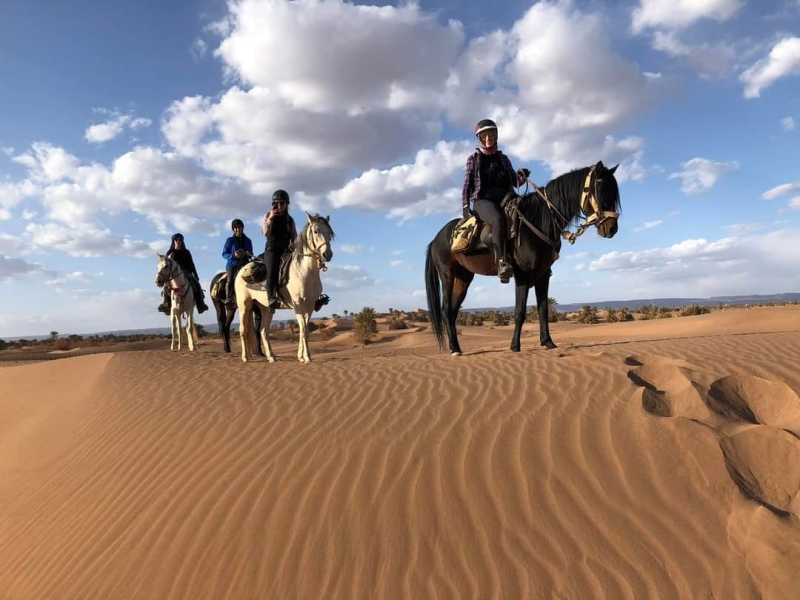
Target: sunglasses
[(280, 203)]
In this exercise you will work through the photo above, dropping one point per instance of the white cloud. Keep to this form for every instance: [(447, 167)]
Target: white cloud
[(199, 48), (787, 124), (5, 214), (164, 187), (7, 150), (699, 175), (708, 59), (701, 268), (47, 163), (648, 225), (794, 203), (13, 268), (406, 190), (783, 60), (113, 127), (677, 14), (350, 248), (85, 242), (347, 277), (555, 87), (781, 190), (340, 57), (744, 228)]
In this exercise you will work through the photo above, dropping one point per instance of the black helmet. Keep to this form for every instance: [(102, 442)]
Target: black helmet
[(280, 196), (237, 223), (178, 237), (485, 125)]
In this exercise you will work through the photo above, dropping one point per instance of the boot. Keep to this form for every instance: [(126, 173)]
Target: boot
[(321, 301), (166, 304), (504, 271), (198, 297), (230, 297)]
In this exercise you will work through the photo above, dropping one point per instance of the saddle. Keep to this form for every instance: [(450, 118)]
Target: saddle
[(471, 235)]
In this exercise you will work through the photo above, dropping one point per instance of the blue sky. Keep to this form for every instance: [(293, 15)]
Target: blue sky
[(125, 122)]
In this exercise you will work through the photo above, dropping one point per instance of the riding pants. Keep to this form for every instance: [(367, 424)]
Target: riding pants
[(272, 261), (490, 212)]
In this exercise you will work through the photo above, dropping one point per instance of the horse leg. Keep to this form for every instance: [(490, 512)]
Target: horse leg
[(190, 333), (257, 319), (264, 324), (454, 291), (175, 324), (245, 308), (522, 288), (302, 343), (542, 287)]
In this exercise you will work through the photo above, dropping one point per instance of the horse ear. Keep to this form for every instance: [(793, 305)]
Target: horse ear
[(600, 167), (159, 255), (328, 219), (612, 169), (308, 216)]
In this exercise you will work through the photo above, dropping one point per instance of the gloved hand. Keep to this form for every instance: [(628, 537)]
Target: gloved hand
[(523, 174), (467, 212)]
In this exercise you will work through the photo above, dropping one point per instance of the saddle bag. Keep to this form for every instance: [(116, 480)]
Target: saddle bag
[(254, 271)]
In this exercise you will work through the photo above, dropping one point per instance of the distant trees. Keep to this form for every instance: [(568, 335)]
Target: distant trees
[(366, 325)]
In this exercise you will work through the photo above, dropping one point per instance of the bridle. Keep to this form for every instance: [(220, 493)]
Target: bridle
[(589, 199), (316, 250), (171, 276)]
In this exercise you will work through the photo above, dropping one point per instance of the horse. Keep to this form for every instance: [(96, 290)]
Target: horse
[(226, 312), (169, 271), (544, 215), (312, 249)]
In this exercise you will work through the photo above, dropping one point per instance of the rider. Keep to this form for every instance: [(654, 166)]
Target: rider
[(280, 231), (181, 255), (489, 177), (237, 252)]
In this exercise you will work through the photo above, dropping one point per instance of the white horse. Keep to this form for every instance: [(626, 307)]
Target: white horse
[(169, 271), (312, 250)]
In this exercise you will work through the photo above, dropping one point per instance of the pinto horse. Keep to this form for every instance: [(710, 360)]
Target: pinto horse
[(302, 294), (545, 215)]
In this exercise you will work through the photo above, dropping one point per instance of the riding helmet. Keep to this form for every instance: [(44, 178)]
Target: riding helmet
[(485, 125), (280, 196)]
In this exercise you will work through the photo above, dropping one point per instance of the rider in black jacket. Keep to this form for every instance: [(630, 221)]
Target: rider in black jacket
[(181, 255)]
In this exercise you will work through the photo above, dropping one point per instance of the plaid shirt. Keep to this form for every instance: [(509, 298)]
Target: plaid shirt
[(472, 177)]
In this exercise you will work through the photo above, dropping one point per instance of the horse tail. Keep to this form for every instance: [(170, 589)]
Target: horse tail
[(434, 294)]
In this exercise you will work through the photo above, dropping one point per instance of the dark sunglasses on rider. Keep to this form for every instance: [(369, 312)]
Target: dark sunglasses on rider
[(279, 203)]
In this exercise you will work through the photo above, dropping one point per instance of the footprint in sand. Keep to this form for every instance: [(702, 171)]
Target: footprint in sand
[(757, 420)]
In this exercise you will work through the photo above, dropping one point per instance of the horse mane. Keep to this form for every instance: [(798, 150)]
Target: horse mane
[(300, 241), (565, 194)]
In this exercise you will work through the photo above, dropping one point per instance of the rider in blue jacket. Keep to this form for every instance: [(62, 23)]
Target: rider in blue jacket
[(237, 252)]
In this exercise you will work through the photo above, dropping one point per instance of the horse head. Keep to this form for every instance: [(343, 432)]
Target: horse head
[(600, 200), (164, 270), (317, 236)]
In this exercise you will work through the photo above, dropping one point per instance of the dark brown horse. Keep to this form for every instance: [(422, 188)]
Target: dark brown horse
[(544, 217), (225, 314)]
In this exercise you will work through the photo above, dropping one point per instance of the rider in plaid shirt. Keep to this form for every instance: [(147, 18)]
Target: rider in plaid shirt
[(489, 177)]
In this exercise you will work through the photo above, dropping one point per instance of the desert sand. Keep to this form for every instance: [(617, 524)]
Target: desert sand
[(656, 459)]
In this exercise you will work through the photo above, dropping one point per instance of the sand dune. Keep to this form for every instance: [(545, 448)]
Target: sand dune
[(639, 460)]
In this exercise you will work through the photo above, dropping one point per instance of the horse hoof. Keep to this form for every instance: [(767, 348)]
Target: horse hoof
[(513, 349), (455, 353), (549, 345), (271, 359)]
